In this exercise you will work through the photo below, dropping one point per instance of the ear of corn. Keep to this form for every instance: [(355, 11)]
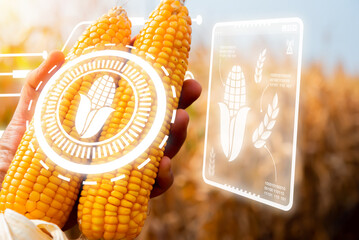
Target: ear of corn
[(233, 113), (112, 28), (38, 192), (117, 210)]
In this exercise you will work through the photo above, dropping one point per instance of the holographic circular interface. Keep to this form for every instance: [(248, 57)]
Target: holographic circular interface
[(85, 98)]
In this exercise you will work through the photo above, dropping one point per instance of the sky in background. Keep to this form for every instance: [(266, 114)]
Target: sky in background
[(331, 28)]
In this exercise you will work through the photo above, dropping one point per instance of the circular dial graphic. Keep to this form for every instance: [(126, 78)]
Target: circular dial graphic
[(69, 119)]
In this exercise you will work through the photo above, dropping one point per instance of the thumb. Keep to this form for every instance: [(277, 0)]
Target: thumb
[(35, 82), (29, 95)]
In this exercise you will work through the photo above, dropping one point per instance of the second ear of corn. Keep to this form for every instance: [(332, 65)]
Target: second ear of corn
[(108, 210), (117, 210)]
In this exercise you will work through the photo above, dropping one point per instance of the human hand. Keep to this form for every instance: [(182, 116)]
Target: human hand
[(191, 91), (11, 138)]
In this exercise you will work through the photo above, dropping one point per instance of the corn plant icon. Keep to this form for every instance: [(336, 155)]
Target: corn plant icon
[(95, 108), (233, 113)]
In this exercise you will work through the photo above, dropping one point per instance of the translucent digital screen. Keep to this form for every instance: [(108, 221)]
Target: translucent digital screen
[(253, 98)]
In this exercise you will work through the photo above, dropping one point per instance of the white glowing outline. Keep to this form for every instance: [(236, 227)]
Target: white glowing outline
[(126, 159), (294, 147)]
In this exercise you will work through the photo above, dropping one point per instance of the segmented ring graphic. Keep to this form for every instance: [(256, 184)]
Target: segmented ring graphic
[(78, 148)]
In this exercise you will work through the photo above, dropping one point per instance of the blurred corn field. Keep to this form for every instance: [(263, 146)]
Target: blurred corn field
[(326, 196)]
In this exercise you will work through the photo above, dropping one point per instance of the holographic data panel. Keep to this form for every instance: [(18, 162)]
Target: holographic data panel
[(252, 115)]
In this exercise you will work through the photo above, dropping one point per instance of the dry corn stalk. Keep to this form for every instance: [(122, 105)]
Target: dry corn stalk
[(233, 113), (15, 226)]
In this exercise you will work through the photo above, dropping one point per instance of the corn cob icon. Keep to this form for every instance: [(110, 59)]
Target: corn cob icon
[(233, 113), (95, 108)]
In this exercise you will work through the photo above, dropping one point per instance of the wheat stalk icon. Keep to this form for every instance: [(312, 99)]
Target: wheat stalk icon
[(233, 113), (212, 162), (263, 132), (265, 128), (95, 107), (259, 67)]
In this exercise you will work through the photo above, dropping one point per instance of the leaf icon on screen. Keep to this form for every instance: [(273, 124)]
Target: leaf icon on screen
[(95, 108)]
